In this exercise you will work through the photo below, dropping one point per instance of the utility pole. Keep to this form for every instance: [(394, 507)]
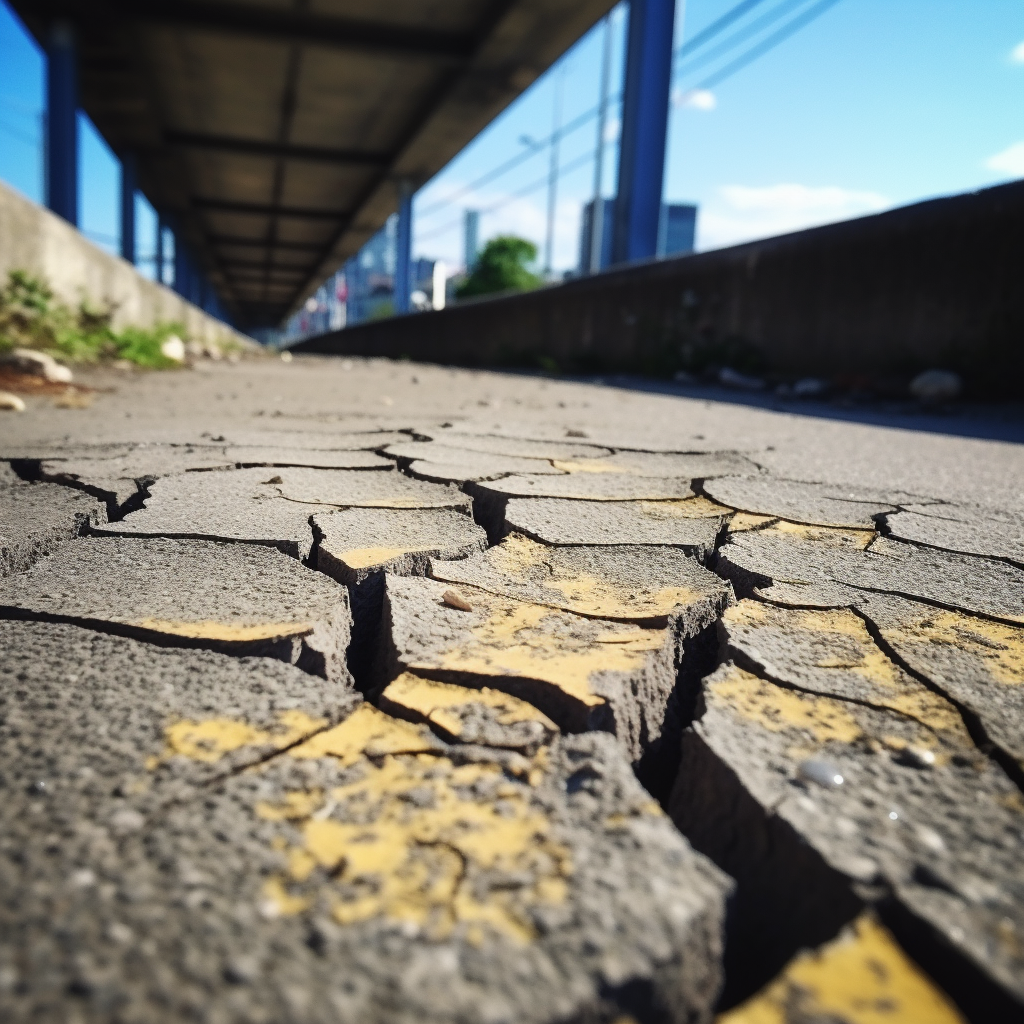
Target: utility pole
[(597, 208), (556, 131)]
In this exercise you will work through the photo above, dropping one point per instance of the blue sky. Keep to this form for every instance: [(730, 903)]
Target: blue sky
[(873, 104)]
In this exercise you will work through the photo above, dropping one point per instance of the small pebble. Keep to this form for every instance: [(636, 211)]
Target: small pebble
[(824, 773), (455, 600)]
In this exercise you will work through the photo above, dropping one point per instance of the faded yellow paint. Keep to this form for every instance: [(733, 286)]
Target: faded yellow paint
[(857, 653), (434, 701), (779, 709), (741, 522), (533, 641), (862, 977), (1000, 647), (582, 593), (368, 731), (421, 861), (209, 740), (211, 630), (362, 558), (278, 902), (683, 508), (833, 536)]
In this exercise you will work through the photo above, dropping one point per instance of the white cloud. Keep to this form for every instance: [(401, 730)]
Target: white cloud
[(741, 213), (1010, 161), (696, 99), (1017, 53)]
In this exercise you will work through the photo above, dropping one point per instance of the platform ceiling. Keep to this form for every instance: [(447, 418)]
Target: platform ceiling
[(276, 132)]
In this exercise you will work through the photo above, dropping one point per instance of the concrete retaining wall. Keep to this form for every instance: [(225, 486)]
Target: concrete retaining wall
[(36, 240), (937, 283)]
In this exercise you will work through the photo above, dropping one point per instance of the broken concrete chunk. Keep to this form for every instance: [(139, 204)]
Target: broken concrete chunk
[(972, 584), (979, 663), (237, 598), (901, 809), (119, 480), (314, 440), (450, 464), (273, 506), (269, 456), (815, 504), (831, 652), (86, 715), (356, 542), (461, 714), (680, 466), (968, 529), (36, 519), (374, 874), (691, 525), (587, 487), (639, 584), (792, 564), (582, 673), (513, 447), (861, 973)]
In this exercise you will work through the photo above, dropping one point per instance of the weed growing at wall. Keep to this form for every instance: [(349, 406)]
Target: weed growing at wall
[(31, 317)]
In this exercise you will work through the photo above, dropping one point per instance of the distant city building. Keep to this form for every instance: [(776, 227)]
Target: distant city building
[(470, 238), (586, 234), (676, 231)]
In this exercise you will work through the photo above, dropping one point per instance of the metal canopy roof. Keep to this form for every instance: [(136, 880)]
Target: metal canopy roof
[(276, 132)]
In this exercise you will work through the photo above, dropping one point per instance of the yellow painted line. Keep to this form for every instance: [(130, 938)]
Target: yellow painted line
[(210, 629), (434, 702), (862, 977)]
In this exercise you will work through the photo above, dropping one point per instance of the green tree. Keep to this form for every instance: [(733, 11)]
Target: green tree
[(501, 267)]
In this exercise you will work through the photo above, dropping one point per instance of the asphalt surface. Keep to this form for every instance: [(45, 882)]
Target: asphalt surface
[(363, 691)]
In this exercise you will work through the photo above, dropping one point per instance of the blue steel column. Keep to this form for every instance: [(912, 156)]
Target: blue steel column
[(62, 122), (158, 269), (644, 128), (129, 184), (403, 249)]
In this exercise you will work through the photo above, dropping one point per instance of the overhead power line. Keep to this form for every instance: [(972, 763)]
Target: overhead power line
[(732, 41), (731, 15), (765, 45)]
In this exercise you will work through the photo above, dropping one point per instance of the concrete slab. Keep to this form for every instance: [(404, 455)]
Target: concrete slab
[(632, 584), (663, 465), (941, 835), (691, 525), (373, 874), (120, 481), (460, 714), (815, 504), (976, 662), (355, 543), (587, 487), (330, 439), (828, 568), (514, 447), (95, 726), (254, 455), (832, 653), (973, 530), (236, 598), (36, 519), (449, 464), (273, 506), (582, 673)]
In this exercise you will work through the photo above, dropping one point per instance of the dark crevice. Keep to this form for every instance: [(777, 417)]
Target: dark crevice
[(29, 470)]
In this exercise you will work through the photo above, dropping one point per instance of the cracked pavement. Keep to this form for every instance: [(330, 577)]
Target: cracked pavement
[(366, 691)]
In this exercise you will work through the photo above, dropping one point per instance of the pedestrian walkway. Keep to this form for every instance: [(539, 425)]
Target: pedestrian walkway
[(356, 691)]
